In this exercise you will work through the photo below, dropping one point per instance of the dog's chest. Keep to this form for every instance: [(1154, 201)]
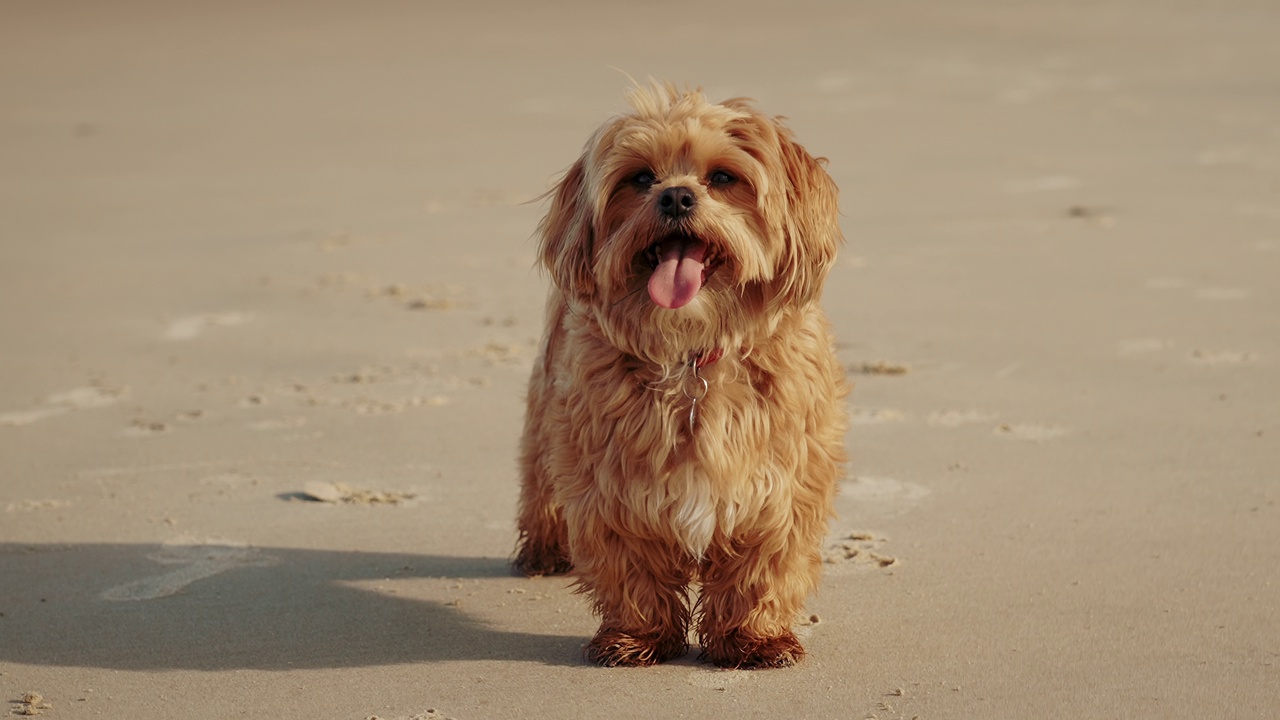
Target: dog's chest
[(694, 510), (684, 460), (712, 487)]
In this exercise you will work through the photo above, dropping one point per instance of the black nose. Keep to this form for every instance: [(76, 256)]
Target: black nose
[(676, 202)]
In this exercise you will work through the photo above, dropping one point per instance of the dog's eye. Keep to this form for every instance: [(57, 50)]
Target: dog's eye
[(644, 178), (720, 177)]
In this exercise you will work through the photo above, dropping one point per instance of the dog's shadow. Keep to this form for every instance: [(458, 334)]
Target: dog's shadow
[(212, 607)]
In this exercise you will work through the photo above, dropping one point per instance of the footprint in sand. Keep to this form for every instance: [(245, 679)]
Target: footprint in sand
[(876, 416), (428, 714), (35, 505), (1221, 357), (878, 367), (194, 562), (142, 427), (188, 328), (81, 398), (1197, 356), (1034, 432), (718, 679), (858, 548), (146, 428), (956, 418)]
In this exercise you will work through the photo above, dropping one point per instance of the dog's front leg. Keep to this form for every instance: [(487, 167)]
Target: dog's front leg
[(638, 587), (751, 594)]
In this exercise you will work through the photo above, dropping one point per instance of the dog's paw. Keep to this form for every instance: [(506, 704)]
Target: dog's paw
[(740, 651), (535, 560), (613, 648)]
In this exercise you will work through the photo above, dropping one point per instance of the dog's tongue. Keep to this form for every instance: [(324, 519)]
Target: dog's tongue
[(678, 276)]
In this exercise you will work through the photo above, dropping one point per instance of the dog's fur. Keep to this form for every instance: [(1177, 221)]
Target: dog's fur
[(620, 484)]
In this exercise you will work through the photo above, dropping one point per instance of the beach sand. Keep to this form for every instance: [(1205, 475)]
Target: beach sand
[(256, 254)]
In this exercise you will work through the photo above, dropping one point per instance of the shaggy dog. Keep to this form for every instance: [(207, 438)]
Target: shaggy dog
[(686, 415)]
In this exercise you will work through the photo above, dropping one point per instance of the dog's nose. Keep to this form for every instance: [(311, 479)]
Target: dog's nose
[(676, 202)]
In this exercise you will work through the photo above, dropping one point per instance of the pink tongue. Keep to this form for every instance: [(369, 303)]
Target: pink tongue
[(678, 277)]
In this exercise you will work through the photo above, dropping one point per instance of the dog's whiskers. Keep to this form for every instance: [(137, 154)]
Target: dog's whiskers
[(624, 298)]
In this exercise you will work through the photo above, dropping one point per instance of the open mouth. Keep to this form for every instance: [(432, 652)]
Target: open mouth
[(681, 266)]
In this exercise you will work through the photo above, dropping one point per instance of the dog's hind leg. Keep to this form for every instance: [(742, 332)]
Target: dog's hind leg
[(543, 547)]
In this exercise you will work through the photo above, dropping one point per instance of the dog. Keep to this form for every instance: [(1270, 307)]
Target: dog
[(685, 420)]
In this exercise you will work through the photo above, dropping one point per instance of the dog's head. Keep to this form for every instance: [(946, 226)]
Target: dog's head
[(687, 227)]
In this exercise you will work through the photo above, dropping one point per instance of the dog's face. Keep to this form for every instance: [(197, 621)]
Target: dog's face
[(687, 227)]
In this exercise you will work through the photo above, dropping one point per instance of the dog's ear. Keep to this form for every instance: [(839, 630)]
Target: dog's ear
[(810, 226), (798, 201), (567, 245)]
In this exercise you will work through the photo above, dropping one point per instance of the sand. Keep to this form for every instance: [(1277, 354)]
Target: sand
[(252, 251)]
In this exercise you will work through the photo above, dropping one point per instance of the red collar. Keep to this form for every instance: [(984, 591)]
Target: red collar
[(704, 359)]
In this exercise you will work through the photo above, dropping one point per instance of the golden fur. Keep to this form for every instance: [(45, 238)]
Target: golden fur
[(619, 483)]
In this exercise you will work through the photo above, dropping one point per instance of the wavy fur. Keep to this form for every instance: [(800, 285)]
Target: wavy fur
[(617, 485)]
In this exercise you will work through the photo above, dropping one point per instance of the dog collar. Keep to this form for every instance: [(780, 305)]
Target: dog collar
[(704, 359)]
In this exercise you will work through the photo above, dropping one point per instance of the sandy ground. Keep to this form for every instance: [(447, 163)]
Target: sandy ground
[(254, 250)]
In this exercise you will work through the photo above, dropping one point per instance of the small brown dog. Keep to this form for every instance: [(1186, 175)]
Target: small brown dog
[(686, 416)]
